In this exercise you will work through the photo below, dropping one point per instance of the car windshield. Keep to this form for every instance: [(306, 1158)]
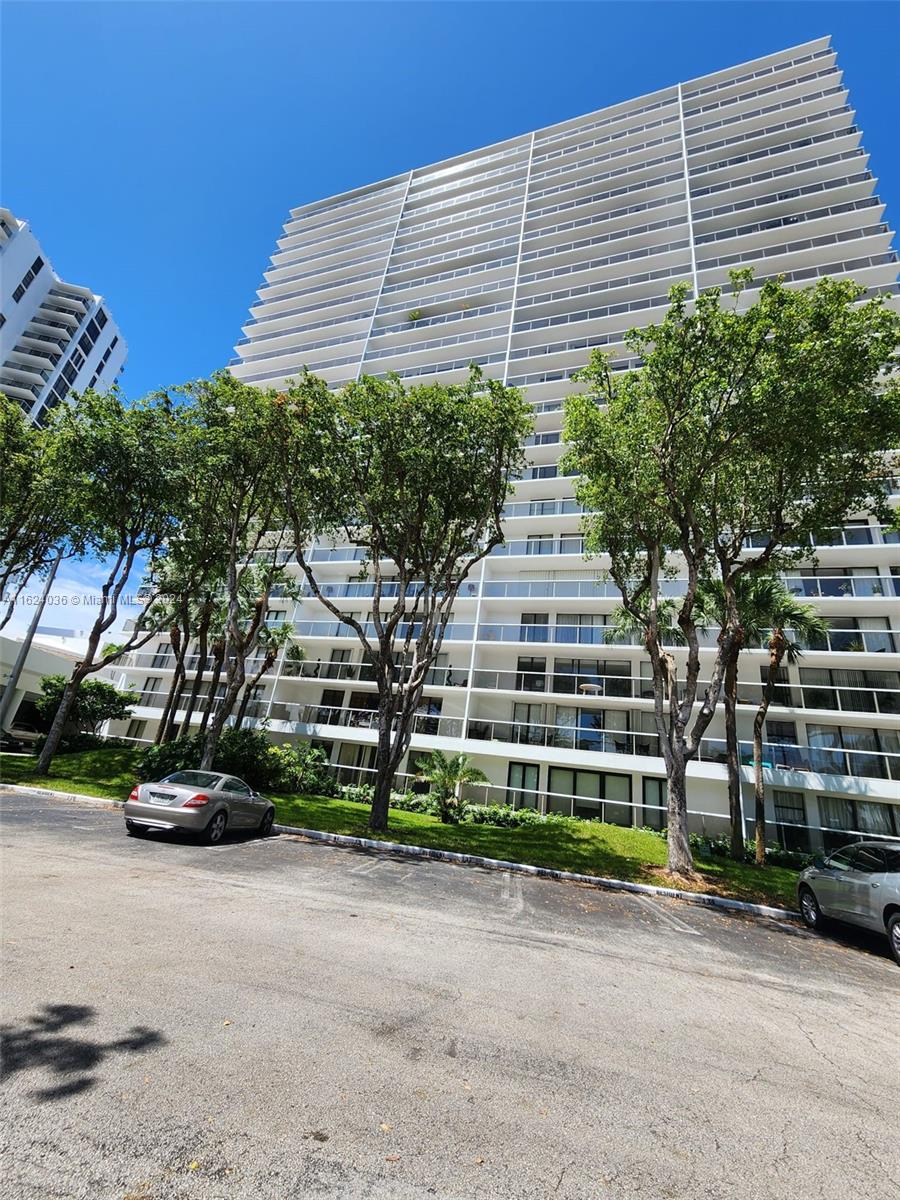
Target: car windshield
[(193, 778)]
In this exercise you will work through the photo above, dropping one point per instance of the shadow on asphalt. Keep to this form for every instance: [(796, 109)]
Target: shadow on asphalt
[(46, 1042)]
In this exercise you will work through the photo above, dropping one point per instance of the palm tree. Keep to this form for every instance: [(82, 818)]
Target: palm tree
[(271, 640), (447, 775), (766, 608), (786, 613)]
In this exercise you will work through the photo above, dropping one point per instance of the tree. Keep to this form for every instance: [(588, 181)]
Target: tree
[(416, 479), (39, 508), (237, 462), (271, 641), (95, 703), (750, 429), (782, 612), (447, 775), (127, 465), (764, 604)]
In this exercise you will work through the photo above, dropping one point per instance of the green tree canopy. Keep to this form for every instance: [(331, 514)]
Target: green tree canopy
[(416, 478), (96, 702), (750, 428)]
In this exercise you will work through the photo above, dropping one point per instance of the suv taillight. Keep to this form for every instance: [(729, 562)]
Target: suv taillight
[(196, 801), (135, 791)]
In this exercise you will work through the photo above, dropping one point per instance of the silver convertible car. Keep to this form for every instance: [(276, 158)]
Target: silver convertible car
[(200, 802), (859, 884)]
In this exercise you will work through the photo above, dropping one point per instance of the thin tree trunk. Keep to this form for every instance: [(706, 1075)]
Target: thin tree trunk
[(777, 649), (218, 658), (202, 640), (732, 753), (384, 774), (70, 692), (680, 860)]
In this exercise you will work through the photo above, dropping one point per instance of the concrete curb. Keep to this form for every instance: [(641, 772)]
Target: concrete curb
[(476, 860)]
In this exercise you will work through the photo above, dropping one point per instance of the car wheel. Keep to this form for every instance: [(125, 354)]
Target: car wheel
[(215, 830), (893, 932), (265, 825), (809, 909), (134, 830)]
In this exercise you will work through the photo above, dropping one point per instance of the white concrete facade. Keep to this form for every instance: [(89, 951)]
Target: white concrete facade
[(520, 257), (55, 337)]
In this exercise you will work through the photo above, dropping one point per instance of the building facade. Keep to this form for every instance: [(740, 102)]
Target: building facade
[(55, 337), (521, 257)]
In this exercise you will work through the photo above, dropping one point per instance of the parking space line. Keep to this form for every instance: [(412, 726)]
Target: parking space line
[(658, 910)]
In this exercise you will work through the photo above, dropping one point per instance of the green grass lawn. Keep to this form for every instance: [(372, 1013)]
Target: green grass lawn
[(585, 846)]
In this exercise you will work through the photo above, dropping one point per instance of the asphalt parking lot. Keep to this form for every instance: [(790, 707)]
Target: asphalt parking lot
[(279, 1020)]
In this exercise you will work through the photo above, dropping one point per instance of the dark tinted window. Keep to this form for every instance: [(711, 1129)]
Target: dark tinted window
[(236, 786), (893, 860), (869, 858), (193, 778), (841, 859)]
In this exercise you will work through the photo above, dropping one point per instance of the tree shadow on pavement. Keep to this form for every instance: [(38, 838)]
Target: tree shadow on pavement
[(46, 1041)]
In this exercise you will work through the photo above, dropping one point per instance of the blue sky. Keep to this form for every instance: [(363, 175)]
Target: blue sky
[(156, 147)]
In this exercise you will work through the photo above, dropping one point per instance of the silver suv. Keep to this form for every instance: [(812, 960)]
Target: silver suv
[(859, 884)]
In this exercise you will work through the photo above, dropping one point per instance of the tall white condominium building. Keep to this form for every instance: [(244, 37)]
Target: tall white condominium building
[(55, 337), (520, 257)]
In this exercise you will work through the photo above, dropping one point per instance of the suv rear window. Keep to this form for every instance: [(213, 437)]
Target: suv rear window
[(193, 778)]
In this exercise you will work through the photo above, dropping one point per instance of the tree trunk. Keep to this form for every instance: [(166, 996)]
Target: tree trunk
[(384, 766), (70, 692), (169, 731), (235, 681), (732, 752), (202, 636), (680, 859), (777, 650), (219, 658)]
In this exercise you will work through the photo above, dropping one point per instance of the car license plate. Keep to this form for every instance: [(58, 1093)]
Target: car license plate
[(161, 797)]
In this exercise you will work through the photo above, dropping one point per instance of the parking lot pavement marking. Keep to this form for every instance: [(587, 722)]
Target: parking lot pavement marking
[(511, 892), (246, 845), (656, 907)]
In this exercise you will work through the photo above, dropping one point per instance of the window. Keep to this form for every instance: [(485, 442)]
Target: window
[(539, 543), (163, 656), (782, 733), (655, 792), (522, 785), (236, 787), (332, 703), (869, 859), (136, 730), (848, 816), (790, 815), (531, 674), (528, 724), (534, 627), (335, 668), (100, 318), (151, 684), (590, 794), (27, 279)]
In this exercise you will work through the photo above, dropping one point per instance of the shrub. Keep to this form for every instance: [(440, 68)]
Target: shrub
[(357, 793), (414, 803), (415, 314), (250, 755), (502, 814), (73, 743), (302, 768)]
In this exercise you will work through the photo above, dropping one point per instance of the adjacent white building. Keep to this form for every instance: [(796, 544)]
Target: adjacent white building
[(55, 337), (521, 257)]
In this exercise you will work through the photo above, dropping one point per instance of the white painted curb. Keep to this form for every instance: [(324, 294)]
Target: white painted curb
[(475, 860), (499, 864)]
